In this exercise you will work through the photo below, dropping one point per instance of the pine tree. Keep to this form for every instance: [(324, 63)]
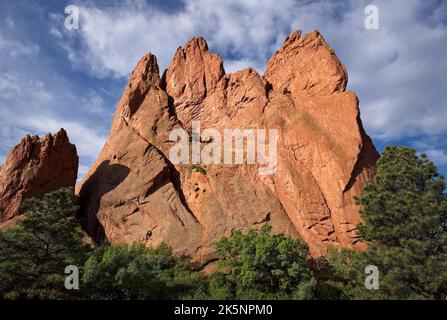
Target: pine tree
[(34, 255), (404, 211)]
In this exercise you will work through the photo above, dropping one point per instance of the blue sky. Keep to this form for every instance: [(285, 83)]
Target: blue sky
[(51, 77)]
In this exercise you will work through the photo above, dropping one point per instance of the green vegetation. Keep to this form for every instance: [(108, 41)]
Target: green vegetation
[(258, 265), (33, 258), (198, 169), (404, 212), (135, 272), (404, 209), (34, 255)]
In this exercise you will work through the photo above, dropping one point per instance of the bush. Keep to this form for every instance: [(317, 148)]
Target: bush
[(257, 265), (138, 273)]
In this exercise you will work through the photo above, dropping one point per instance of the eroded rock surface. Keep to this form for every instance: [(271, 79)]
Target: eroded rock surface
[(134, 193), (33, 168)]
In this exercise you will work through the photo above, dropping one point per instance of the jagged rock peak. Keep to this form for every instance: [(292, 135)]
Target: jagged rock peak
[(291, 38), (192, 75), (306, 66), (195, 42), (146, 70), (144, 76), (34, 167)]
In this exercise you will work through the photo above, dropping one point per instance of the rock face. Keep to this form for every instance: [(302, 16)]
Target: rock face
[(35, 167), (134, 193)]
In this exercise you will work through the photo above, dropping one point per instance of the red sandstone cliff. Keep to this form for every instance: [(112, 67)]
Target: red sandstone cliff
[(134, 192)]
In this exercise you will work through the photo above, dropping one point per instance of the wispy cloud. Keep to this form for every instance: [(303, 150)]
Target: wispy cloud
[(15, 49), (15, 113), (35, 98), (437, 156), (433, 146)]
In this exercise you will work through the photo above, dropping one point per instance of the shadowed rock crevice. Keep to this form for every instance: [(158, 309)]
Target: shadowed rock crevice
[(176, 181), (366, 162), (105, 179)]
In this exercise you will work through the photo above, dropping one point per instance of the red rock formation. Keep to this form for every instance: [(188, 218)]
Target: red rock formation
[(306, 66), (134, 193), (34, 167)]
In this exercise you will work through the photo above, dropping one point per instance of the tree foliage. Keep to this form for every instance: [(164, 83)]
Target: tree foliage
[(138, 273), (257, 265), (34, 255), (404, 211)]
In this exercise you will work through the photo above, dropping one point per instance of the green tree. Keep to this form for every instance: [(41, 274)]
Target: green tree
[(139, 273), (34, 255), (220, 287), (257, 265), (404, 211)]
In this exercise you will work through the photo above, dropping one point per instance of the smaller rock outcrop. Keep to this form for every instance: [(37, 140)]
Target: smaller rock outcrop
[(306, 65), (35, 167)]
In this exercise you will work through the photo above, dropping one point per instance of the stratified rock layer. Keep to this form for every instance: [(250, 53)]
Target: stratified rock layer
[(35, 167), (133, 193)]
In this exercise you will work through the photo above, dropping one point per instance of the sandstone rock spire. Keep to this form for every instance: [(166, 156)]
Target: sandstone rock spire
[(134, 192)]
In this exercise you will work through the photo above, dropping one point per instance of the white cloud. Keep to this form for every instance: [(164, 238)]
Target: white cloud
[(27, 105), (114, 38), (88, 141), (13, 85), (16, 49), (82, 171), (30, 106), (94, 103), (10, 23), (232, 66), (56, 33), (36, 98), (8, 86), (437, 156), (433, 146)]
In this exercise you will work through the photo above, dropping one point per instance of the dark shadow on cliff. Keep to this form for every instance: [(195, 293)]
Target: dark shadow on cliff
[(367, 158), (105, 179), (176, 181)]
